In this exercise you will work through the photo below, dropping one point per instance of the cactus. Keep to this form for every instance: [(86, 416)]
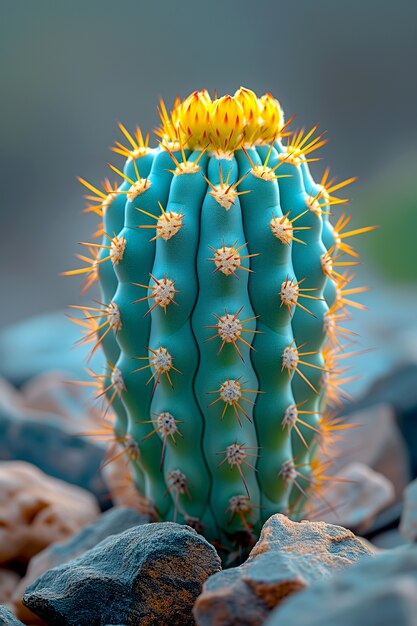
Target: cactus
[(224, 291)]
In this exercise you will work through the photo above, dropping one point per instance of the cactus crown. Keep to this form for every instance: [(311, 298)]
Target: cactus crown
[(224, 124), (225, 290)]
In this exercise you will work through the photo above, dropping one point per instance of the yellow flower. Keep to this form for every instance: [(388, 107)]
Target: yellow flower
[(194, 118), (252, 112), (272, 118), (227, 123)]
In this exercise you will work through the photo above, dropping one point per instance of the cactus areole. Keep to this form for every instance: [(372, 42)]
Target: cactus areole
[(224, 292)]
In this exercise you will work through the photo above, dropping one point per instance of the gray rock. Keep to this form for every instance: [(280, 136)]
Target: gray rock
[(389, 539), (408, 524), (46, 443), (356, 497), (149, 574), (43, 343), (377, 443), (7, 618), (380, 591), (288, 557), (110, 523), (397, 388)]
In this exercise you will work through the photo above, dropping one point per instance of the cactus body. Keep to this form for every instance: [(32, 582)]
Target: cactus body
[(220, 314)]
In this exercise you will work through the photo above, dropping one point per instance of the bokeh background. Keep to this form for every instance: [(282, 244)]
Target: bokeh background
[(70, 70)]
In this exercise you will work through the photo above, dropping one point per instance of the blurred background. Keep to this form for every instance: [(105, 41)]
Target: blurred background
[(70, 70)]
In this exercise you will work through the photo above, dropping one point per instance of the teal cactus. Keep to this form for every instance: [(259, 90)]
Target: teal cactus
[(221, 314)]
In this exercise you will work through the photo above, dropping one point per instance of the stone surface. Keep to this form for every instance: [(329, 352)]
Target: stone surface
[(119, 482), (408, 524), (377, 443), (42, 344), (8, 583), (288, 557), (58, 394), (51, 440), (398, 389), (147, 575), (112, 522), (389, 539), (388, 518), (356, 497), (381, 591), (36, 510), (7, 618)]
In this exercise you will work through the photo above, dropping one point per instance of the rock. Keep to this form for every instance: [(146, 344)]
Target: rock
[(371, 547), (147, 575), (356, 497), (118, 479), (113, 522), (36, 510), (8, 583), (388, 518), (288, 557), (389, 539), (377, 443), (408, 524), (47, 441), (58, 394), (7, 618), (42, 344), (398, 388), (380, 591)]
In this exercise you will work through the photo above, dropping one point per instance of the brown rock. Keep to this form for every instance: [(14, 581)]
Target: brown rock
[(37, 510), (288, 557), (408, 524)]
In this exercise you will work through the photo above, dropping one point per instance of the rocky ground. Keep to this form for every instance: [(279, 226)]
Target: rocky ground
[(76, 548)]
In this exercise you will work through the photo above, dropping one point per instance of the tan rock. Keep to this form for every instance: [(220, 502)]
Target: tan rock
[(8, 583), (37, 510), (288, 557)]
